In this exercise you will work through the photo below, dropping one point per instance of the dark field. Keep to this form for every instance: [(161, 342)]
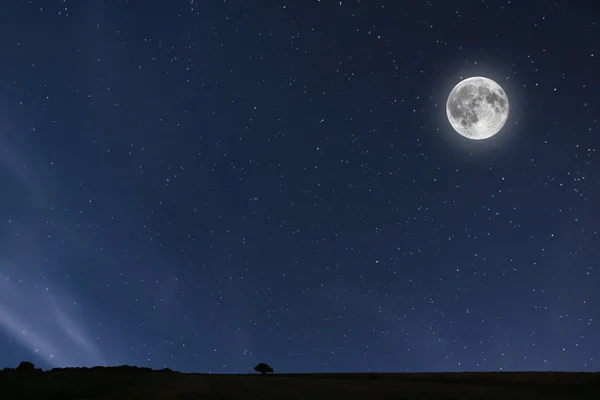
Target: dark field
[(134, 383)]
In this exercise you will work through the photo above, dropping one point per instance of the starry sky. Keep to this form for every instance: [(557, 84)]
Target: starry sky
[(205, 185)]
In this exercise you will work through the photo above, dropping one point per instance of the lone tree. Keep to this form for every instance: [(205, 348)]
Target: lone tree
[(26, 366), (263, 368)]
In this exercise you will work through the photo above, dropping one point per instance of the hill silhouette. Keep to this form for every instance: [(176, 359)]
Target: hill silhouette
[(131, 382)]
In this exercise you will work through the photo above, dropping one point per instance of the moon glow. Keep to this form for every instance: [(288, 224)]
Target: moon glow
[(477, 108)]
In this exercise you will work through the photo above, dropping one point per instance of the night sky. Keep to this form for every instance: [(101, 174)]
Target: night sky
[(205, 185)]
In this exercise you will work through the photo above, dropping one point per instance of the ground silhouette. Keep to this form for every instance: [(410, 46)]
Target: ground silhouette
[(130, 382)]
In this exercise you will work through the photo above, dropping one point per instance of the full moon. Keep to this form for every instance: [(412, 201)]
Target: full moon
[(477, 108)]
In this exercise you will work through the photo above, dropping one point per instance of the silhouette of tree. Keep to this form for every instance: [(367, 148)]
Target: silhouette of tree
[(26, 366), (263, 368)]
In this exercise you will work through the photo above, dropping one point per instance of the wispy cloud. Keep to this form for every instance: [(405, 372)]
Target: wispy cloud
[(39, 320)]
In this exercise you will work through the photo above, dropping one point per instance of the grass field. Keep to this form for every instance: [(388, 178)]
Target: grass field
[(135, 383)]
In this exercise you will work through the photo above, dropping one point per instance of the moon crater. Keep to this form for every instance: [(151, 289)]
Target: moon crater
[(477, 108)]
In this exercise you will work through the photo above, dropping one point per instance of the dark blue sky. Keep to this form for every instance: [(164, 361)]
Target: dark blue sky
[(205, 185)]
